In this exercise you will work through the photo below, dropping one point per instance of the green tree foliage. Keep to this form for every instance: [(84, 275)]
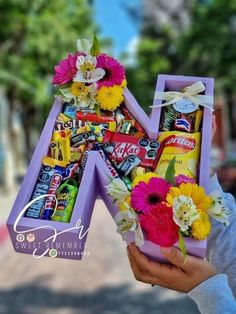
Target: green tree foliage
[(34, 36), (204, 47), (208, 48)]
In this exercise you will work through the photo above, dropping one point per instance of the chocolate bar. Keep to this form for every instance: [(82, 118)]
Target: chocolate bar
[(125, 145)]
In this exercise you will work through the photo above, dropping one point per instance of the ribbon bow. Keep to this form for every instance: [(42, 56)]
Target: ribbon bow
[(190, 92)]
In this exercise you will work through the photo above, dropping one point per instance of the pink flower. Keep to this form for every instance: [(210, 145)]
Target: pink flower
[(184, 179), (159, 225), (144, 196), (65, 70), (114, 71)]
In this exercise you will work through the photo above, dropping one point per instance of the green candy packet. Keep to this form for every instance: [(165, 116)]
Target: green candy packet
[(66, 196)]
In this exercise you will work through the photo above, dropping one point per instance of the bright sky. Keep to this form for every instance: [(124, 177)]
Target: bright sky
[(115, 23)]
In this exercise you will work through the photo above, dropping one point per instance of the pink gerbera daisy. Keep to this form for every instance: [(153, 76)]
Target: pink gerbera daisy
[(114, 71), (159, 225), (144, 196), (65, 70)]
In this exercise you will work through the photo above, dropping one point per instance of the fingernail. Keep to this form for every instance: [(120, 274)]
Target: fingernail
[(166, 250)]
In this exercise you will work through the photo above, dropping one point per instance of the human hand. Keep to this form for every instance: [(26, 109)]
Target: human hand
[(180, 275)]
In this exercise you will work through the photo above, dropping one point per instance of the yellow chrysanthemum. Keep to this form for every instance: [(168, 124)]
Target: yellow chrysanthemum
[(78, 89), (125, 205), (144, 177), (201, 227), (197, 193), (124, 83), (109, 98)]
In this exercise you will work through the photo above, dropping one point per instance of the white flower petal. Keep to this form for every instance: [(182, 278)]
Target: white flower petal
[(81, 60), (118, 190), (94, 76), (128, 221), (84, 45), (184, 212), (79, 77), (218, 209)]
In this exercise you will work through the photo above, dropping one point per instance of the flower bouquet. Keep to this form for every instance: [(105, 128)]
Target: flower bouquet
[(165, 210), (89, 79)]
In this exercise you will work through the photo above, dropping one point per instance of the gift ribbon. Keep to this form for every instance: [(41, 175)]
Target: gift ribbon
[(190, 92)]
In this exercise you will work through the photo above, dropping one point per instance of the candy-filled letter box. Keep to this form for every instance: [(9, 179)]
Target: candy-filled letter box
[(151, 172)]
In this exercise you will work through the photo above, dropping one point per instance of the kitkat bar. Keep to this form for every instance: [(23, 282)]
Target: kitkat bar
[(93, 117), (126, 145)]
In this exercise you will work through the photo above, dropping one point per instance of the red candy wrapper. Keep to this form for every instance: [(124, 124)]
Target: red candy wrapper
[(93, 117), (125, 145)]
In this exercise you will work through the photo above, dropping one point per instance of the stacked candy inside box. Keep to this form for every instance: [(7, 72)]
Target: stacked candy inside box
[(180, 136), (117, 136)]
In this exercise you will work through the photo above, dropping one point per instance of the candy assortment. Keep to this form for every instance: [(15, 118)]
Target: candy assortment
[(76, 132)]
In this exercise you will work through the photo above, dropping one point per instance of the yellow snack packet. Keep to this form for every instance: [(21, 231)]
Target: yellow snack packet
[(48, 161), (60, 145), (63, 118), (185, 147)]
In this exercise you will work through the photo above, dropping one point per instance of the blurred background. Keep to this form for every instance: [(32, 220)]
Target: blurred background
[(150, 37)]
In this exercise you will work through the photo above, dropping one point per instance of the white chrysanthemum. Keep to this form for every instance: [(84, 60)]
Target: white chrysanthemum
[(184, 212)]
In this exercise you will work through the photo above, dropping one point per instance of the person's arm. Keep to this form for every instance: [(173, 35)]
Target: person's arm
[(194, 276), (221, 243), (214, 296)]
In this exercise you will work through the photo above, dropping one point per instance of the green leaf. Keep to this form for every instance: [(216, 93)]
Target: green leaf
[(94, 51), (66, 92), (97, 109), (182, 246), (170, 172)]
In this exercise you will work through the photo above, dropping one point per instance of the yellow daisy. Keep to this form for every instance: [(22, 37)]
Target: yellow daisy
[(197, 194), (109, 98), (78, 89), (201, 227), (144, 178)]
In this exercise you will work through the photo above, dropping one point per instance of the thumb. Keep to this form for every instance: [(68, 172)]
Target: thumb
[(176, 257)]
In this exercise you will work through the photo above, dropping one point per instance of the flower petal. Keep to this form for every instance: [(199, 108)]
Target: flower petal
[(84, 45)]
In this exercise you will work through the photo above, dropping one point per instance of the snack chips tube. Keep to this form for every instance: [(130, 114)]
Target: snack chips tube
[(41, 188), (66, 196), (185, 147)]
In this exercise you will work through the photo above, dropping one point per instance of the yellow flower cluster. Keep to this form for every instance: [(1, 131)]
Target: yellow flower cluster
[(201, 227), (109, 98)]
